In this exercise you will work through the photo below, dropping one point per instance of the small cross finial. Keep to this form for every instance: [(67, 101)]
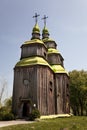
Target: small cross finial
[(44, 18), (36, 16)]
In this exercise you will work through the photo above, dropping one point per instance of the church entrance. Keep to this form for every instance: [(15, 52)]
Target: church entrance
[(26, 109)]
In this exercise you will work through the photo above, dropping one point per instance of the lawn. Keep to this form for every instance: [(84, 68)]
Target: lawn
[(68, 123)]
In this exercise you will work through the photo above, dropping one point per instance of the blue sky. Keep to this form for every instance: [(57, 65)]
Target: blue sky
[(67, 24)]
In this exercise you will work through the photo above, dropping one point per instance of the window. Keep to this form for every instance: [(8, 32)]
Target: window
[(50, 86), (45, 54), (67, 86), (50, 89), (26, 82), (50, 82)]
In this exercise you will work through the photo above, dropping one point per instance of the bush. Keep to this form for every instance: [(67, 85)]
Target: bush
[(34, 114), (3, 109), (5, 115)]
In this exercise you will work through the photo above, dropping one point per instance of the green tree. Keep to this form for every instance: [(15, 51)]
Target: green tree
[(8, 102), (3, 85), (78, 91)]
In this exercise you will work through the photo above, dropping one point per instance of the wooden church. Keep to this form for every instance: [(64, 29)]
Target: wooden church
[(40, 79)]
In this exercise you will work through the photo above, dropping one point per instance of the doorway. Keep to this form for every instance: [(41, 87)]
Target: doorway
[(26, 109)]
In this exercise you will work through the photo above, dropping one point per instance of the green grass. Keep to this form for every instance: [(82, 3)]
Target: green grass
[(71, 123)]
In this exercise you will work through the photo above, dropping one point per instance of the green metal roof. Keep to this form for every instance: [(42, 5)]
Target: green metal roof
[(48, 40), (34, 41), (40, 61), (32, 61), (53, 50), (36, 29), (58, 69)]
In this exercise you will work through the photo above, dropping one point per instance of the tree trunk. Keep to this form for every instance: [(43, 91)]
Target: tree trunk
[(86, 112), (81, 106)]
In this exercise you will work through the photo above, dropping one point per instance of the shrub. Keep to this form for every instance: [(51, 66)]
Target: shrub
[(5, 114), (8, 116), (34, 114), (3, 109)]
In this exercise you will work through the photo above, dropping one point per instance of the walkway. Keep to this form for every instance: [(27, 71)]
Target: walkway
[(16, 122)]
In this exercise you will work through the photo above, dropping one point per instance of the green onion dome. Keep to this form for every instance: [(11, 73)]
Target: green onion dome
[(36, 29), (45, 30), (45, 33)]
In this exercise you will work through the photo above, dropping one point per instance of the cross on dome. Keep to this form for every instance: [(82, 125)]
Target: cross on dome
[(36, 16), (44, 18)]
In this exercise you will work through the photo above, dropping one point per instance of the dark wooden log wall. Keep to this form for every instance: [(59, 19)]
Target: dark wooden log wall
[(61, 90), (55, 59), (22, 91), (33, 50), (51, 44), (49, 93), (45, 97)]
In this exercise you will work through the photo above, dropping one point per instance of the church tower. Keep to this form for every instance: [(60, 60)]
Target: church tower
[(61, 77), (40, 79), (32, 78)]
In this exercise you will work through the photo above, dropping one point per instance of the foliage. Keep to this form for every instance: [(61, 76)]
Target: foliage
[(34, 114), (6, 111), (71, 123), (5, 114), (8, 103), (78, 92), (3, 85)]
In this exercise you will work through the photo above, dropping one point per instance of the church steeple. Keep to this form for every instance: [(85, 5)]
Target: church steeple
[(45, 32), (36, 29)]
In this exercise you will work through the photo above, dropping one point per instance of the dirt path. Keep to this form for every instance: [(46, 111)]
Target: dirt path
[(9, 123)]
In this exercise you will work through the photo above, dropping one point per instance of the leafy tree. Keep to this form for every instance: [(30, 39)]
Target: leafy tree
[(6, 110), (8, 103), (3, 85), (78, 91)]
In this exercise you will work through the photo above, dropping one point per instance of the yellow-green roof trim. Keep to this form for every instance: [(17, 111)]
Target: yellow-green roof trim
[(34, 41), (53, 50), (32, 61), (58, 69), (48, 40)]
